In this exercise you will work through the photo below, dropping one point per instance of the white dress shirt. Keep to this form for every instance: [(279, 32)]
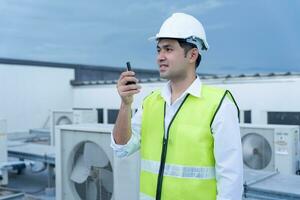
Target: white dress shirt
[(227, 141)]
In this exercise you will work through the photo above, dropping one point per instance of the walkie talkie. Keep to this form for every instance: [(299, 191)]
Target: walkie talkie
[(128, 66), (129, 69)]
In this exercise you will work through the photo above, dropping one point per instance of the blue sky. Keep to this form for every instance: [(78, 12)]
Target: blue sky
[(244, 36)]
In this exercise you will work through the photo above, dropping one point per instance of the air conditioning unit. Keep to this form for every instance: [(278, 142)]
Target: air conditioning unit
[(3, 152), (74, 116), (85, 115), (86, 167), (59, 117), (271, 147)]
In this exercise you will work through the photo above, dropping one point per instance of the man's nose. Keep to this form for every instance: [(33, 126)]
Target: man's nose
[(161, 56)]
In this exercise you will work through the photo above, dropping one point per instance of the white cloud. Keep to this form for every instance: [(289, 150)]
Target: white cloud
[(200, 7)]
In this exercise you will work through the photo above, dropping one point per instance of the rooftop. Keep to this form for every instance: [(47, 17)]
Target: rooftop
[(204, 77)]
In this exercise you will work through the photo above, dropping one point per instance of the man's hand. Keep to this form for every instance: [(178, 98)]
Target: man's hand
[(125, 91)]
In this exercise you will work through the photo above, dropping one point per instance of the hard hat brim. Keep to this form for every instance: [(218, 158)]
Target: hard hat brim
[(205, 44)]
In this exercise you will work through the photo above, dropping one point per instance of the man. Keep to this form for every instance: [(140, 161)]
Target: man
[(188, 133)]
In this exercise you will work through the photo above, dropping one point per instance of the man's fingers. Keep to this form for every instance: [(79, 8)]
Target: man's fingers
[(127, 79), (125, 88), (125, 91), (131, 92), (127, 73)]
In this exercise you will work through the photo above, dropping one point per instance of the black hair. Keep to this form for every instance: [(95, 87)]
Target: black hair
[(188, 46)]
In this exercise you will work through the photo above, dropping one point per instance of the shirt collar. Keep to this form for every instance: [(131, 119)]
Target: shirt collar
[(194, 89)]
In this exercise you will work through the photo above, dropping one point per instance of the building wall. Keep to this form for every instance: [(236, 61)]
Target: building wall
[(256, 94), (282, 94), (262, 95), (27, 93), (106, 96)]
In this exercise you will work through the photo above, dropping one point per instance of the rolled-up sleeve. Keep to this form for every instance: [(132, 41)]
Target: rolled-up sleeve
[(228, 152), (133, 144)]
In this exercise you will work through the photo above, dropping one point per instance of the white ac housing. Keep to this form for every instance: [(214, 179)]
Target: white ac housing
[(3, 151), (59, 117), (107, 178), (84, 115), (271, 147), (75, 116)]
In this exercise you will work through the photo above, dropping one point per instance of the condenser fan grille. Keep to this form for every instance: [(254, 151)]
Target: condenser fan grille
[(63, 120), (95, 187), (257, 152), (92, 173), (105, 195)]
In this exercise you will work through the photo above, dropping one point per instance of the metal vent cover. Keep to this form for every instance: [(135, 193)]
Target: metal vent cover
[(257, 152)]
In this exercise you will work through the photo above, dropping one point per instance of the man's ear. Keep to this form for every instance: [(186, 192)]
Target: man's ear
[(193, 55)]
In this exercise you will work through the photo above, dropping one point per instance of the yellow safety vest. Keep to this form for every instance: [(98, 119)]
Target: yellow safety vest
[(181, 166)]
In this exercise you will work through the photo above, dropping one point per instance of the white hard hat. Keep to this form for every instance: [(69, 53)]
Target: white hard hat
[(184, 26)]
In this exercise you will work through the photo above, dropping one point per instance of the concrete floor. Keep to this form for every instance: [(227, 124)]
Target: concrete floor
[(34, 185)]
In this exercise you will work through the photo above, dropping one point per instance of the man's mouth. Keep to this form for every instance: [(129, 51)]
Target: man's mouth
[(163, 67)]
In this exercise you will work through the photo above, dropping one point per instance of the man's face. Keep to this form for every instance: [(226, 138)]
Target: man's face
[(171, 59)]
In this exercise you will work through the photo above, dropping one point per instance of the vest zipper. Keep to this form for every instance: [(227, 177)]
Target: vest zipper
[(164, 152)]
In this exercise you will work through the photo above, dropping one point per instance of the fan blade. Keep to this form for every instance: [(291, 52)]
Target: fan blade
[(106, 177), (91, 191), (80, 171), (257, 152), (94, 155)]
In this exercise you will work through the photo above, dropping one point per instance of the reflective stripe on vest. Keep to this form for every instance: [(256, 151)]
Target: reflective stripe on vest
[(178, 170), (144, 196)]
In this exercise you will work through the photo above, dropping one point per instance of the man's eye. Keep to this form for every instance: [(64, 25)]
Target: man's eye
[(158, 50), (169, 49)]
